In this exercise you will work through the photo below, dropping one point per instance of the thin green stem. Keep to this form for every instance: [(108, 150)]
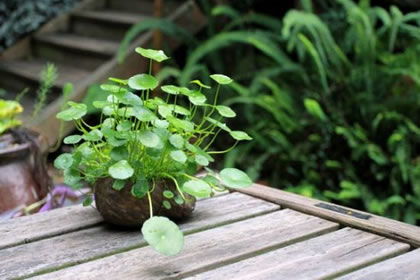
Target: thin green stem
[(150, 204), (225, 151), (176, 184)]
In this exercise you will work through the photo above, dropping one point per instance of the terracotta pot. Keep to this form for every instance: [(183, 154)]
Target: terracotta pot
[(23, 173), (123, 209)]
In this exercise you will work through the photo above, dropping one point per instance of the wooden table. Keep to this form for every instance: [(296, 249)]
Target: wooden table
[(262, 233)]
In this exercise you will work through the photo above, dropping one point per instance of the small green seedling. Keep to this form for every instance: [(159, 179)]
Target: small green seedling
[(142, 139)]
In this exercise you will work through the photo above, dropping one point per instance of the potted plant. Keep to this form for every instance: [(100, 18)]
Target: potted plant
[(24, 178), (143, 157), (23, 174)]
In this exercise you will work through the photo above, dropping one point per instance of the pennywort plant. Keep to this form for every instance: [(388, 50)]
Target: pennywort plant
[(143, 138)]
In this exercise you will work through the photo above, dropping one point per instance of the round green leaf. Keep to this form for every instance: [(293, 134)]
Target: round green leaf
[(177, 141), (197, 188), (198, 82), (201, 160), (163, 235), (240, 135), (178, 156), (160, 123), (140, 188), (93, 135), (180, 110), (108, 123), (143, 114), (119, 153), (130, 98), (156, 55), (171, 89), (72, 178), (87, 201), (63, 161), (167, 204), (179, 200), (181, 124), (118, 185), (72, 139), (165, 110), (113, 88), (121, 170), (168, 194), (221, 79), (197, 98), (149, 139), (225, 111), (125, 125), (100, 104), (75, 112), (143, 82), (235, 178)]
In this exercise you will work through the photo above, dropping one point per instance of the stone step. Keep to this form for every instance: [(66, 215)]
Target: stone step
[(104, 24), (74, 50)]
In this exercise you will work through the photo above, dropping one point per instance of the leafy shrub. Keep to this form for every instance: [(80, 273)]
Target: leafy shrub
[(344, 127), (143, 139), (331, 100)]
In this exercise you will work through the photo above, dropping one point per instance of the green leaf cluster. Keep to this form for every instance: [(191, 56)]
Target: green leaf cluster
[(144, 138)]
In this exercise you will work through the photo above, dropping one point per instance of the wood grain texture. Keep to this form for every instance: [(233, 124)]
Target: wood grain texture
[(406, 266), (204, 250), (83, 245), (383, 226), (319, 258), (27, 229)]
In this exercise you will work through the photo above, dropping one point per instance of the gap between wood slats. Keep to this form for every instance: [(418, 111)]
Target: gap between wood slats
[(405, 266), (323, 257), (205, 250), (87, 245)]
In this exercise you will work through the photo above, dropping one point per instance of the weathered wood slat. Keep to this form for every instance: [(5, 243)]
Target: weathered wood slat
[(354, 218), (27, 229), (204, 250), (319, 258), (406, 266), (83, 245)]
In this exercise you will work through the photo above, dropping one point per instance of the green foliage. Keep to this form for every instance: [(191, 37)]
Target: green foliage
[(344, 125), (47, 78), (331, 100), (143, 139), (9, 109)]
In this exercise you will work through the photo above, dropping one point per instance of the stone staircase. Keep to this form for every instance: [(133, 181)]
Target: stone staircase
[(83, 45)]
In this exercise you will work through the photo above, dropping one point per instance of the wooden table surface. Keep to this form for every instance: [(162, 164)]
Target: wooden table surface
[(264, 234)]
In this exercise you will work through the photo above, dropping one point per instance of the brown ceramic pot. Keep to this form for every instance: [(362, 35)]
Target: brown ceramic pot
[(123, 209), (23, 174)]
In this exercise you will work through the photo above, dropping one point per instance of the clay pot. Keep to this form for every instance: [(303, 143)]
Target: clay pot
[(23, 174), (123, 209)]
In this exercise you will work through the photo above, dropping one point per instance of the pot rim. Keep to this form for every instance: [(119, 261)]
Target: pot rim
[(16, 150)]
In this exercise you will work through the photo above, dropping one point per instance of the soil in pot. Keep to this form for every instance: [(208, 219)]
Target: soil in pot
[(23, 174), (123, 209)]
